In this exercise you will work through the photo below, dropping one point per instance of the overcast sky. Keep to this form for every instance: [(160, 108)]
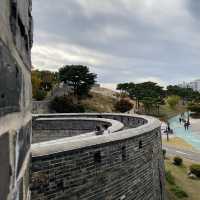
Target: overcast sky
[(120, 40)]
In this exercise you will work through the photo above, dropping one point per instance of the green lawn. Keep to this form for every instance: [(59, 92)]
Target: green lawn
[(166, 112), (191, 187)]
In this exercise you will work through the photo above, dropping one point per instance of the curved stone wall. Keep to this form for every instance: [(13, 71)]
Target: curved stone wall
[(126, 164), (46, 129), (129, 121)]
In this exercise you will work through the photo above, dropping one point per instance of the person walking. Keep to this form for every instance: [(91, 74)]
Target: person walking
[(188, 124), (185, 126)]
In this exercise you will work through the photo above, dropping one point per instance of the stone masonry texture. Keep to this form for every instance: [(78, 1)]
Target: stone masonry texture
[(15, 98), (127, 169)]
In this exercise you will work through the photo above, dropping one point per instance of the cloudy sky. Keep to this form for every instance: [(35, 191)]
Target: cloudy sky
[(120, 40)]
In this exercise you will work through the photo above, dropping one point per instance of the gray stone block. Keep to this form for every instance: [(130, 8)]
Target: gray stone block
[(10, 82), (4, 166)]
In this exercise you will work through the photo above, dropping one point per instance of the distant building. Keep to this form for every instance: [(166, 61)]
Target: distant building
[(195, 85)]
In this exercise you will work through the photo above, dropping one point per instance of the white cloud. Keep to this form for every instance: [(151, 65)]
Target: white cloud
[(121, 40)]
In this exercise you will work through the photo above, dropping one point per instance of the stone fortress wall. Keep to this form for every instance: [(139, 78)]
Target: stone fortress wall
[(47, 129), (15, 98), (123, 164)]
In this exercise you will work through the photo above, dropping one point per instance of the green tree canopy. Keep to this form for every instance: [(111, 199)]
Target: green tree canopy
[(184, 93), (79, 77), (141, 91)]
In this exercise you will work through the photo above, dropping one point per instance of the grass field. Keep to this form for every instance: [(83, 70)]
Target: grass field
[(179, 173), (166, 112), (99, 103)]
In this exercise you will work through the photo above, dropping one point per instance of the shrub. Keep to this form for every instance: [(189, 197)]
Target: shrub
[(195, 169), (178, 161), (40, 95), (65, 104), (194, 108), (169, 178), (164, 153), (172, 101), (123, 105), (179, 192)]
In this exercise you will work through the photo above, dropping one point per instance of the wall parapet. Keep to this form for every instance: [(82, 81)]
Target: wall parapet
[(48, 129), (66, 144)]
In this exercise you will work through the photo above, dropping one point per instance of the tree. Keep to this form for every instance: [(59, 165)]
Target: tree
[(66, 104), (194, 107), (79, 78), (123, 105), (149, 93), (124, 88), (187, 94), (48, 79), (42, 82), (172, 101), (36, 83)]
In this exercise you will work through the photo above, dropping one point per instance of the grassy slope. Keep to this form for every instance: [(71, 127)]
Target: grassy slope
[(192, 187), (166, 112), (99, 103)]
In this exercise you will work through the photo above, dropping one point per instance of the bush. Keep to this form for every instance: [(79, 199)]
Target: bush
[(195, 169), (178, 161), (40, 95), (164, 153), (169, 178), (194, 108), (123, 105), (179, 192), (65, 104), (172, 101)]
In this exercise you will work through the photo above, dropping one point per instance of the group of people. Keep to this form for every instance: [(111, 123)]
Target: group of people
[(185, 122)]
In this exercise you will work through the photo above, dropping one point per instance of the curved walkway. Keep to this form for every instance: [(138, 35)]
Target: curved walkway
[(189, 135)]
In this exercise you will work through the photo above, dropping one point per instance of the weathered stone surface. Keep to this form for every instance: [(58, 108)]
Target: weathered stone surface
[(21, 26), (15, 98), (23, 141), (4, 166), (10, 82)]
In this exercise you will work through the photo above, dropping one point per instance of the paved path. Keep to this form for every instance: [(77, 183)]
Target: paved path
[(191, 155), (189, 136)]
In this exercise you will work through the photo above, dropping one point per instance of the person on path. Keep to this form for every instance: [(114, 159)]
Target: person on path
[(186, 125), (180, 120)]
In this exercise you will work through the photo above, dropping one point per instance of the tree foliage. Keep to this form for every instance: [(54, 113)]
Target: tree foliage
[(79, 77), (66, 104), (185, 93), (42, 82), (149, 93), (194, 107), (173, 101), (123, 105)]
